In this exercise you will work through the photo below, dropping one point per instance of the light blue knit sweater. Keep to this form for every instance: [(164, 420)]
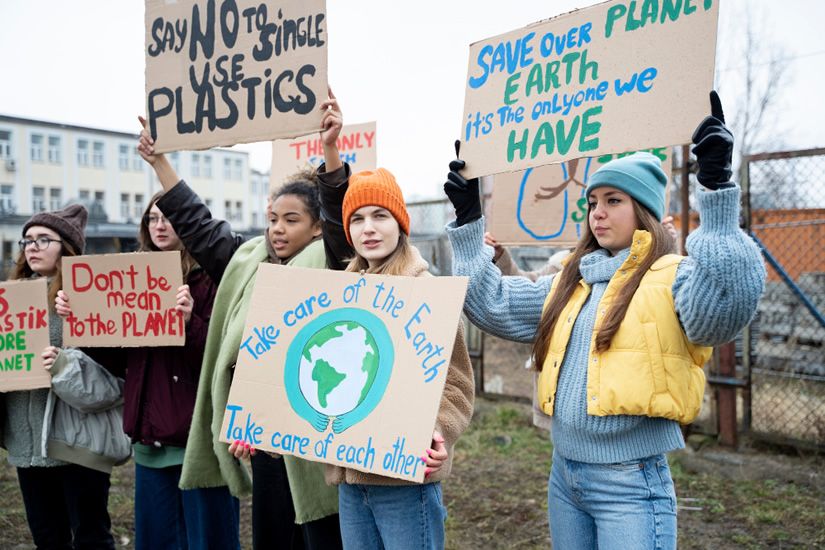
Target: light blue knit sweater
[(716, 291)]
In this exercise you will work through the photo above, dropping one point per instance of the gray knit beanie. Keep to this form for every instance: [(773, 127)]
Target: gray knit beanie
[(639, 175), (69, 223)]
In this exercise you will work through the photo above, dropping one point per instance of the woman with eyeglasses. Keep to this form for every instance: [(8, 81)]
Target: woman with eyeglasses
[(161, 386), (63, 440)]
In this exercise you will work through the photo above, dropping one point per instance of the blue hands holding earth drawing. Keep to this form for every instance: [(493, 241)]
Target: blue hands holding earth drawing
[(338, 366)]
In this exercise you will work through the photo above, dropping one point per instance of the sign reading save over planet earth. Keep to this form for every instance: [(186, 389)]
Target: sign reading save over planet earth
[(344, 368)]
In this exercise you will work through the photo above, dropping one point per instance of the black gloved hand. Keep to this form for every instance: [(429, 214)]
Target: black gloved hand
[(463, 193), (714, 148)]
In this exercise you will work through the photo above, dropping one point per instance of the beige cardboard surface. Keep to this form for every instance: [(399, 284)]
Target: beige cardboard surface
[(545, 206), (615, 77), (346, 369), (221, 73), (123, 300), (24, 334), (356, 145)]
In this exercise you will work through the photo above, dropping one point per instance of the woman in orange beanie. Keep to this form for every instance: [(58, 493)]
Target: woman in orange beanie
[(376, 511)]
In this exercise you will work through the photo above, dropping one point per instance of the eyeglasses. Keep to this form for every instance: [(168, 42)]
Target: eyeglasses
[(40, 243), (152, 220)]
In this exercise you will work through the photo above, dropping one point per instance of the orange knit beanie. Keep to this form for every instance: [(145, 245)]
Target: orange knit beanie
[(377, 188)]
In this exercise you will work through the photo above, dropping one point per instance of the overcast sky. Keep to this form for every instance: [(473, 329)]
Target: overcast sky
[(401, 64)]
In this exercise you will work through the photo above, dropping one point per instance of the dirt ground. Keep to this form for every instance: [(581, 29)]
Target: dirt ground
[(722, 492), (749, 498)]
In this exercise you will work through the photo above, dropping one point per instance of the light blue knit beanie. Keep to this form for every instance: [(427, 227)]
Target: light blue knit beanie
[(639, 175)]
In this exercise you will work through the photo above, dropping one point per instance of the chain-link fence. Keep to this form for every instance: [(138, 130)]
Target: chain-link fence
[(786, 209), (780, 383)]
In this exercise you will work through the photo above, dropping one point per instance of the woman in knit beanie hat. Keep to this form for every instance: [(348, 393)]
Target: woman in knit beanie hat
[(58, 233), (64, 440), (620, 335), (376, 511)]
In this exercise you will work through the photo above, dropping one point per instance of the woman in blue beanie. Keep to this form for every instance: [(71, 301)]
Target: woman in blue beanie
[(620, 335)]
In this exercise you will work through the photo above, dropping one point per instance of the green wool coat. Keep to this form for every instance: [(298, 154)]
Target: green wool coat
[(207, 462)]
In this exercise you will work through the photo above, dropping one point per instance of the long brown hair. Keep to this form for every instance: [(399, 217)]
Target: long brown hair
[(397, 263), (22, 270), (661, 243), (187, 262)]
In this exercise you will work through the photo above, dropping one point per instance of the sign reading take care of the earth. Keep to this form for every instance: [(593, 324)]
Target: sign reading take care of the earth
[(344, 368)]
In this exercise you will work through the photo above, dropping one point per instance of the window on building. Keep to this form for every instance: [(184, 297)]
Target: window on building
[(83, 152), (227, 169), (137, 160), (98, 154), (196, 165), (238, 169), (207, 166), (255, 219), (5, 144), (54, 150), (239, 210), (100, 196), (83, 194), (38, 199), (138, 205), (124, 205), (208, 203), (174, 158), (37, 148), (55, 199), (123, 157), (230, 215), (5, 198)]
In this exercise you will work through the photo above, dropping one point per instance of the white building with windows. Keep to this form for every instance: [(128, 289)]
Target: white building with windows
[(46, 165)]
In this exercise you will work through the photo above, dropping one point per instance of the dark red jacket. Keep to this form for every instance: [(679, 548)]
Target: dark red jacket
[(162, 383)]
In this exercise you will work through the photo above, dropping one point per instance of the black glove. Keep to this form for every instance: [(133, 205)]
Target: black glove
[(714, 148), (463, 193)]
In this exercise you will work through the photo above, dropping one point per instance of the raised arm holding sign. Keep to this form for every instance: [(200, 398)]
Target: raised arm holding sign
[(293, 237), (621, 333)]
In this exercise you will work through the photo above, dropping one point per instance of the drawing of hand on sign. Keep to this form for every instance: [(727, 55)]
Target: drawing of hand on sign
[(549, 192), (546, 205), (551, 203), (338, 366)]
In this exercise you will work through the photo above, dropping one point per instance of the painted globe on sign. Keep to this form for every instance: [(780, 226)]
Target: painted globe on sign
[(338, 367)]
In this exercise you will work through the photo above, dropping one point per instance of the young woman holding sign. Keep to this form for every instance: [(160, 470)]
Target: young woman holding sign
[(285, 491), (620, 335), (64, 440), (159, 397), (376, 511)]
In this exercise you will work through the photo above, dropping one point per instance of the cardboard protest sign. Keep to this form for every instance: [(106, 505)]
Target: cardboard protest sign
[(356, 145), (240, 71), (123, 300), (616, 77), (546, 206), (24, 334), (343, 368)]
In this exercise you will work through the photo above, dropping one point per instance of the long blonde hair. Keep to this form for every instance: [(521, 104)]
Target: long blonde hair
[(662, 243), (22, 270)]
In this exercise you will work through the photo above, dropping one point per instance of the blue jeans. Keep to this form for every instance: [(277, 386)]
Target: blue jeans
[(395, 517), (195, 519), (629, 505)]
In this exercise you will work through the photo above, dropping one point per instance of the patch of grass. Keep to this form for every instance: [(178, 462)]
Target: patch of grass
[(496, 497)]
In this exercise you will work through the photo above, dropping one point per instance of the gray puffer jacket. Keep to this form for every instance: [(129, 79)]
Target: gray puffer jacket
[(78, 420)]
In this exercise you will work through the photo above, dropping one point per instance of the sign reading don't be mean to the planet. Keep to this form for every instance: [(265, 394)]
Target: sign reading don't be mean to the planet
[(344, 368)]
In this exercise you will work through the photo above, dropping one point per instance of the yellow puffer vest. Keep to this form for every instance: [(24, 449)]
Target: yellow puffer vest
[(650, 367)]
